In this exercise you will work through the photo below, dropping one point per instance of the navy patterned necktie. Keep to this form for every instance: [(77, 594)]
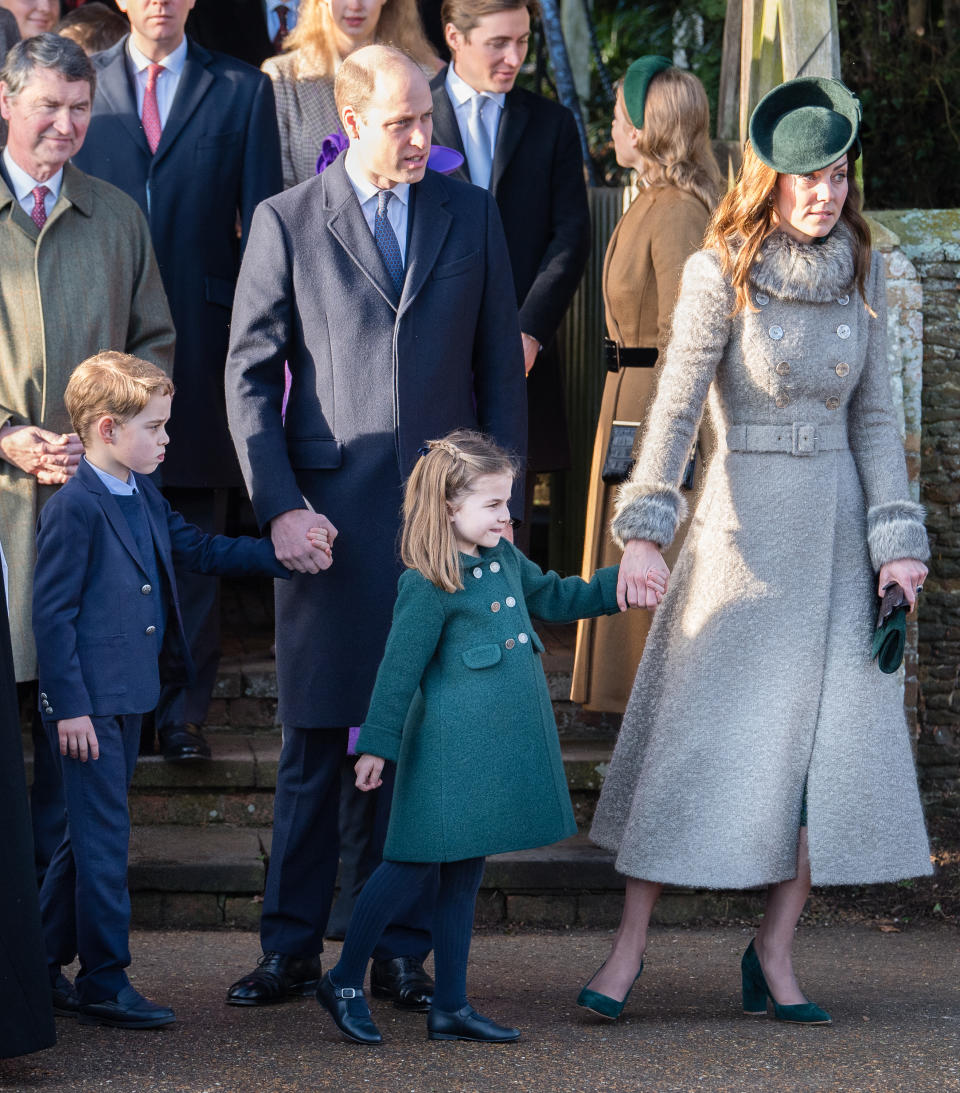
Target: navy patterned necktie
[(386, 240)]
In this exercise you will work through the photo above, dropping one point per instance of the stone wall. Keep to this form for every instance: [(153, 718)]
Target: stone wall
[(930, 242)]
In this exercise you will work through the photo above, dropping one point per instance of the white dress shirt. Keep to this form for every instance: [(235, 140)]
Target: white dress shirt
[(114, 484), (167, 83), (23, 185), (367, 195), (273, 20), (461, 95)]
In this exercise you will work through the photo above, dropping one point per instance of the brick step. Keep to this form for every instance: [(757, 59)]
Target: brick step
[(236, 786), (190, 877)]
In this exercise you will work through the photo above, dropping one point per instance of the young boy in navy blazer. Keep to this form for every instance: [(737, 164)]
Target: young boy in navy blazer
[(107, 621)]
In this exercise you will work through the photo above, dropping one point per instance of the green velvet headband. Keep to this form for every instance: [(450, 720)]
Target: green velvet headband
[(636, 82), (805, 125)]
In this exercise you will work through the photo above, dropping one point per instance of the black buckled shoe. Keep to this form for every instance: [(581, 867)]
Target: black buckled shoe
[(403, 981), (128, 1010), (276, 978), (349, 1010), (466, 1024), (66, 1001), (179, 743)]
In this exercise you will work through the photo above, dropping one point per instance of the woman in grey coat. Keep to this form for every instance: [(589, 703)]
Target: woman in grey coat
[(756, 703)]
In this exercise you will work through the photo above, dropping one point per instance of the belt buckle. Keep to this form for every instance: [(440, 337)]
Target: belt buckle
[(804, 439), (347, 992)]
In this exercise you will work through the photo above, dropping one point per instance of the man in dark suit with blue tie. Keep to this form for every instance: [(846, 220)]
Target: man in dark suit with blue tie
[(387, 288), (192, 137)]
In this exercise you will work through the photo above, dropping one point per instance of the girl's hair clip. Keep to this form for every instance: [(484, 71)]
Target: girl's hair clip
[(422, 450)]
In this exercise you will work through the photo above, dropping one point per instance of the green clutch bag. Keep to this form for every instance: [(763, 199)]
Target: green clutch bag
[(890, 636)]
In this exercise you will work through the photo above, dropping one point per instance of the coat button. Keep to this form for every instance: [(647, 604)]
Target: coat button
[(509, 643), (495, 607), (783, 368), (494, 567), (150, 630), (781, 401), (43, 697), (478, 573), (843, 300), (843, 331), (776, 332), (762, 299), (522, 638), (843, 369), (146, 590), (510, 601), (832, 403)]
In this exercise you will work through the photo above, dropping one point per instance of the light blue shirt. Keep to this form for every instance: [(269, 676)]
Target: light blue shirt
[(367, 195), (273, 20), (23, 185), (114, 484), (461, 95), (168, 81)]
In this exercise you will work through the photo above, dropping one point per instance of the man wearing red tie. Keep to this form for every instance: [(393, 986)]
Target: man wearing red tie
[(192, 137), (251, 30)]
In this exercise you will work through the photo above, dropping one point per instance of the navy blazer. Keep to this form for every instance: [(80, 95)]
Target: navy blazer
[(94, 615), (218, 158)]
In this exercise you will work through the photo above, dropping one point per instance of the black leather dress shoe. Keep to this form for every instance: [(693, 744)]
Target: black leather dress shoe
[(276, 978), (403, 981), (349, 1010), (182, 742), (66, 1001), (128, 1010), (467, 1024)]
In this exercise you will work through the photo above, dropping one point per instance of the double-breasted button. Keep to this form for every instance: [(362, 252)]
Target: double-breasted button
[(843, 369), (478, 573), (783, 368), (146, 590), (510, 601), (762, 299), (494, 567), (782, 400), (843, 331), (832, 403), (495, 607), (843, 300), (509, 643), (522, 638), (150, 630), (776, 332), (43, 697)]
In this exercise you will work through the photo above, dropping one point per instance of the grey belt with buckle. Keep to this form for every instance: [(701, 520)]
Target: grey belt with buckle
[(797, 438)]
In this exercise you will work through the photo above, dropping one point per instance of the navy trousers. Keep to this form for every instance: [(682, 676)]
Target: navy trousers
[(84, 902), (305, 851)]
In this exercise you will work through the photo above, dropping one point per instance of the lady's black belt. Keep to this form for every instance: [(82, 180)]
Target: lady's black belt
[(622, 356)]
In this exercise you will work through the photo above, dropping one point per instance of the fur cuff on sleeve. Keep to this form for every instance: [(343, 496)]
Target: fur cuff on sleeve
[(647, 512), (895, 530)]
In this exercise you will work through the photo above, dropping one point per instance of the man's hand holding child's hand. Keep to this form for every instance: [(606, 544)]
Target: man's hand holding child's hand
[(77, 738), (369, 769)]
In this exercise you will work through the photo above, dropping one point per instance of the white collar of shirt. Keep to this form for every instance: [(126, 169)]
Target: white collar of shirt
[(167, 87), (114, 484), (23, 185), (173, 61), (461, 92), (367, 195)]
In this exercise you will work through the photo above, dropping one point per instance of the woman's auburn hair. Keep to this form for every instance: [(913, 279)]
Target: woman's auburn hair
[(399, 25), (673, 146), (439, 478), (746, 217)]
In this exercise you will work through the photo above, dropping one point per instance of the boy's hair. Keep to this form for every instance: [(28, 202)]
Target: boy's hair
[(93, 26), (441, 476), (111, 383)]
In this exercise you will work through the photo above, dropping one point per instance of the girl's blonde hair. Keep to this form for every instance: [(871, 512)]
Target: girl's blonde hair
[(674, 144), (747, 215), (399, 25), (441, 476)]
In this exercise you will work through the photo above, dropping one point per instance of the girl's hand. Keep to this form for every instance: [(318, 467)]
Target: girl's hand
[(908, 573), (643, 577), (319, 538), (369, 769), (78, 739)]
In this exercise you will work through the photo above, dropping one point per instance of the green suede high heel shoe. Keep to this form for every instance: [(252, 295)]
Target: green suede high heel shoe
[(603, 1004), (756, 992)]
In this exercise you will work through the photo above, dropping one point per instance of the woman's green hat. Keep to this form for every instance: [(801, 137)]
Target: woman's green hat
[(636, 82), (805, 125)]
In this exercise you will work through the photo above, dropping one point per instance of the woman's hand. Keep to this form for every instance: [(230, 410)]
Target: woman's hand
[(643, 577), (906, 572), (369, 769)]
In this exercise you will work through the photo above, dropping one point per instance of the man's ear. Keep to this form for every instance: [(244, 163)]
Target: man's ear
[(351, 122), (453, 38), (4, 101)]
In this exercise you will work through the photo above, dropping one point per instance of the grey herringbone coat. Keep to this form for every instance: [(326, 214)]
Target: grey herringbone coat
[(757, 678)]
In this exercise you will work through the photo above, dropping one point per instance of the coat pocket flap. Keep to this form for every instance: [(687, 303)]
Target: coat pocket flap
[(219, 290), (314, 453), (537, 643), (482, 656), (457, 266)]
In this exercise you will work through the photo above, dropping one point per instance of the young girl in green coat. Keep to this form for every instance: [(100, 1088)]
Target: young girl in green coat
[(461, 706)]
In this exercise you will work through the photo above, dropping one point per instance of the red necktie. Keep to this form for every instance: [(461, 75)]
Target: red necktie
[(38, 214), (281, 10), (151, 111)]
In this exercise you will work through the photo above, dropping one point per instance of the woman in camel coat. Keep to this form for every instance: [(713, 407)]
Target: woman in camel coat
[(660, 128)]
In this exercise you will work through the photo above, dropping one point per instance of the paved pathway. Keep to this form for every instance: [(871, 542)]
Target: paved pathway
[(895, 999)]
